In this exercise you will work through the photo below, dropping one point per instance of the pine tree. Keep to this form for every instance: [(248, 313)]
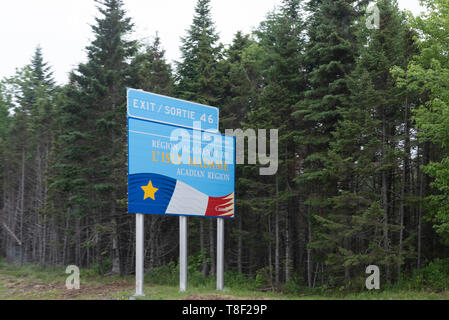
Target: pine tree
[(282, 41), (91, 151), (151, 72), (242, 83), (363, 156), (43, 74), (28, 140), (40, 80), (329, 58), (197, 78), (5, 106)]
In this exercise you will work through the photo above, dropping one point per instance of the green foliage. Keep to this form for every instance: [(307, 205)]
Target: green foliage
[(427, 75), (239, 281), (165, 275), (150, 70), (434, 276), (196, 261), (197, 77), (295, 286), (264, 278)]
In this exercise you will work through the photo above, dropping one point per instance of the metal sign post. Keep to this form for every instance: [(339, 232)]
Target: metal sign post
[(220, 254), (182, 253), (139, 255)]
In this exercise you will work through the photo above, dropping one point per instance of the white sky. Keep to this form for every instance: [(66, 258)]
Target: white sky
[(62, 27)]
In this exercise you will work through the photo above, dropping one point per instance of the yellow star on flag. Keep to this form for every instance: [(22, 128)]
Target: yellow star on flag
[(150, 191)]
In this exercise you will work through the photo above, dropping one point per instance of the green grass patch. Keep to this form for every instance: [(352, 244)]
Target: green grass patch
[(32, 282)]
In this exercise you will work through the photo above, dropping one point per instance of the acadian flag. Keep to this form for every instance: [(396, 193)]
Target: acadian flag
[(150, 193)]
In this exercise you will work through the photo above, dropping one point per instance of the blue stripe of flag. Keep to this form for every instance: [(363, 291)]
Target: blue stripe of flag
[(136, 202)]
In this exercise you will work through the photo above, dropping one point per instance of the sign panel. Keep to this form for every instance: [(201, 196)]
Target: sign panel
[(179, 171), (153, 107)]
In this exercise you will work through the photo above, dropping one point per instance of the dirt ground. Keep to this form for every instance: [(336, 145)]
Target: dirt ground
[(24, 289), (16, 288)]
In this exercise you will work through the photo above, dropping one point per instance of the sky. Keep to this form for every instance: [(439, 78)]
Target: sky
[(62, 27)]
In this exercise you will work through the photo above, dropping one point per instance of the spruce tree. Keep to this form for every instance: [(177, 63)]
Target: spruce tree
[(5, 105), (241, 88), (197, 78), (282, 41), (150, 70), (329, 58), (243, 82), (29, 137), (40, 79), (363, 156), (91, 149)]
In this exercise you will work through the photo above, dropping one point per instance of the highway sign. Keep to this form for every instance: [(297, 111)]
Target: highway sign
[(179, 171), (154, 107)]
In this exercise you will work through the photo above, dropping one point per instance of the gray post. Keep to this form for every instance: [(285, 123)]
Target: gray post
[(139, 255), (182, 254), (220, 254)]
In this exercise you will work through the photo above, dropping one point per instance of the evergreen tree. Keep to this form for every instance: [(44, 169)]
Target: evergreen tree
[(329, 58), (5, 106), (197, 78), (42, 71), (281, 42), (364, 155), (40, 80), (151, 72), (29, 138), (243, 83), (91, 151)]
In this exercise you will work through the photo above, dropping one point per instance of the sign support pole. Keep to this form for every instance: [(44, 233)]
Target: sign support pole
[(220, 254), (139, 255), (182, 253)]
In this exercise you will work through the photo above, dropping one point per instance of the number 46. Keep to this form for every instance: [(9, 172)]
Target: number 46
[(209, 119)]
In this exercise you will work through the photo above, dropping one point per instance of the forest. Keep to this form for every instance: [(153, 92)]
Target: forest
[(363, 120)]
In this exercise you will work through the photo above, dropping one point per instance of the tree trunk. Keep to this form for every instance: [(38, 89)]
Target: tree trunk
[(418, 262), (22, 207), (405, 182), (287, 249), (203, 249), (239, 247), (385, 192), (309, 251), (277, 240), (212, 247), (115, 237)]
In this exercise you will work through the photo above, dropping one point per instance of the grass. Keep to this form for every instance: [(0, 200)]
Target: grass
[(32, 282)]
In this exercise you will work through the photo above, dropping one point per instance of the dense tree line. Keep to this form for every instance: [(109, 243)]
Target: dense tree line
[(362, 115)]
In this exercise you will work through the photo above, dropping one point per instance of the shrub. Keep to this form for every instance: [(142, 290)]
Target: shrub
[(434, 276), (164, 275), (236, 280)]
